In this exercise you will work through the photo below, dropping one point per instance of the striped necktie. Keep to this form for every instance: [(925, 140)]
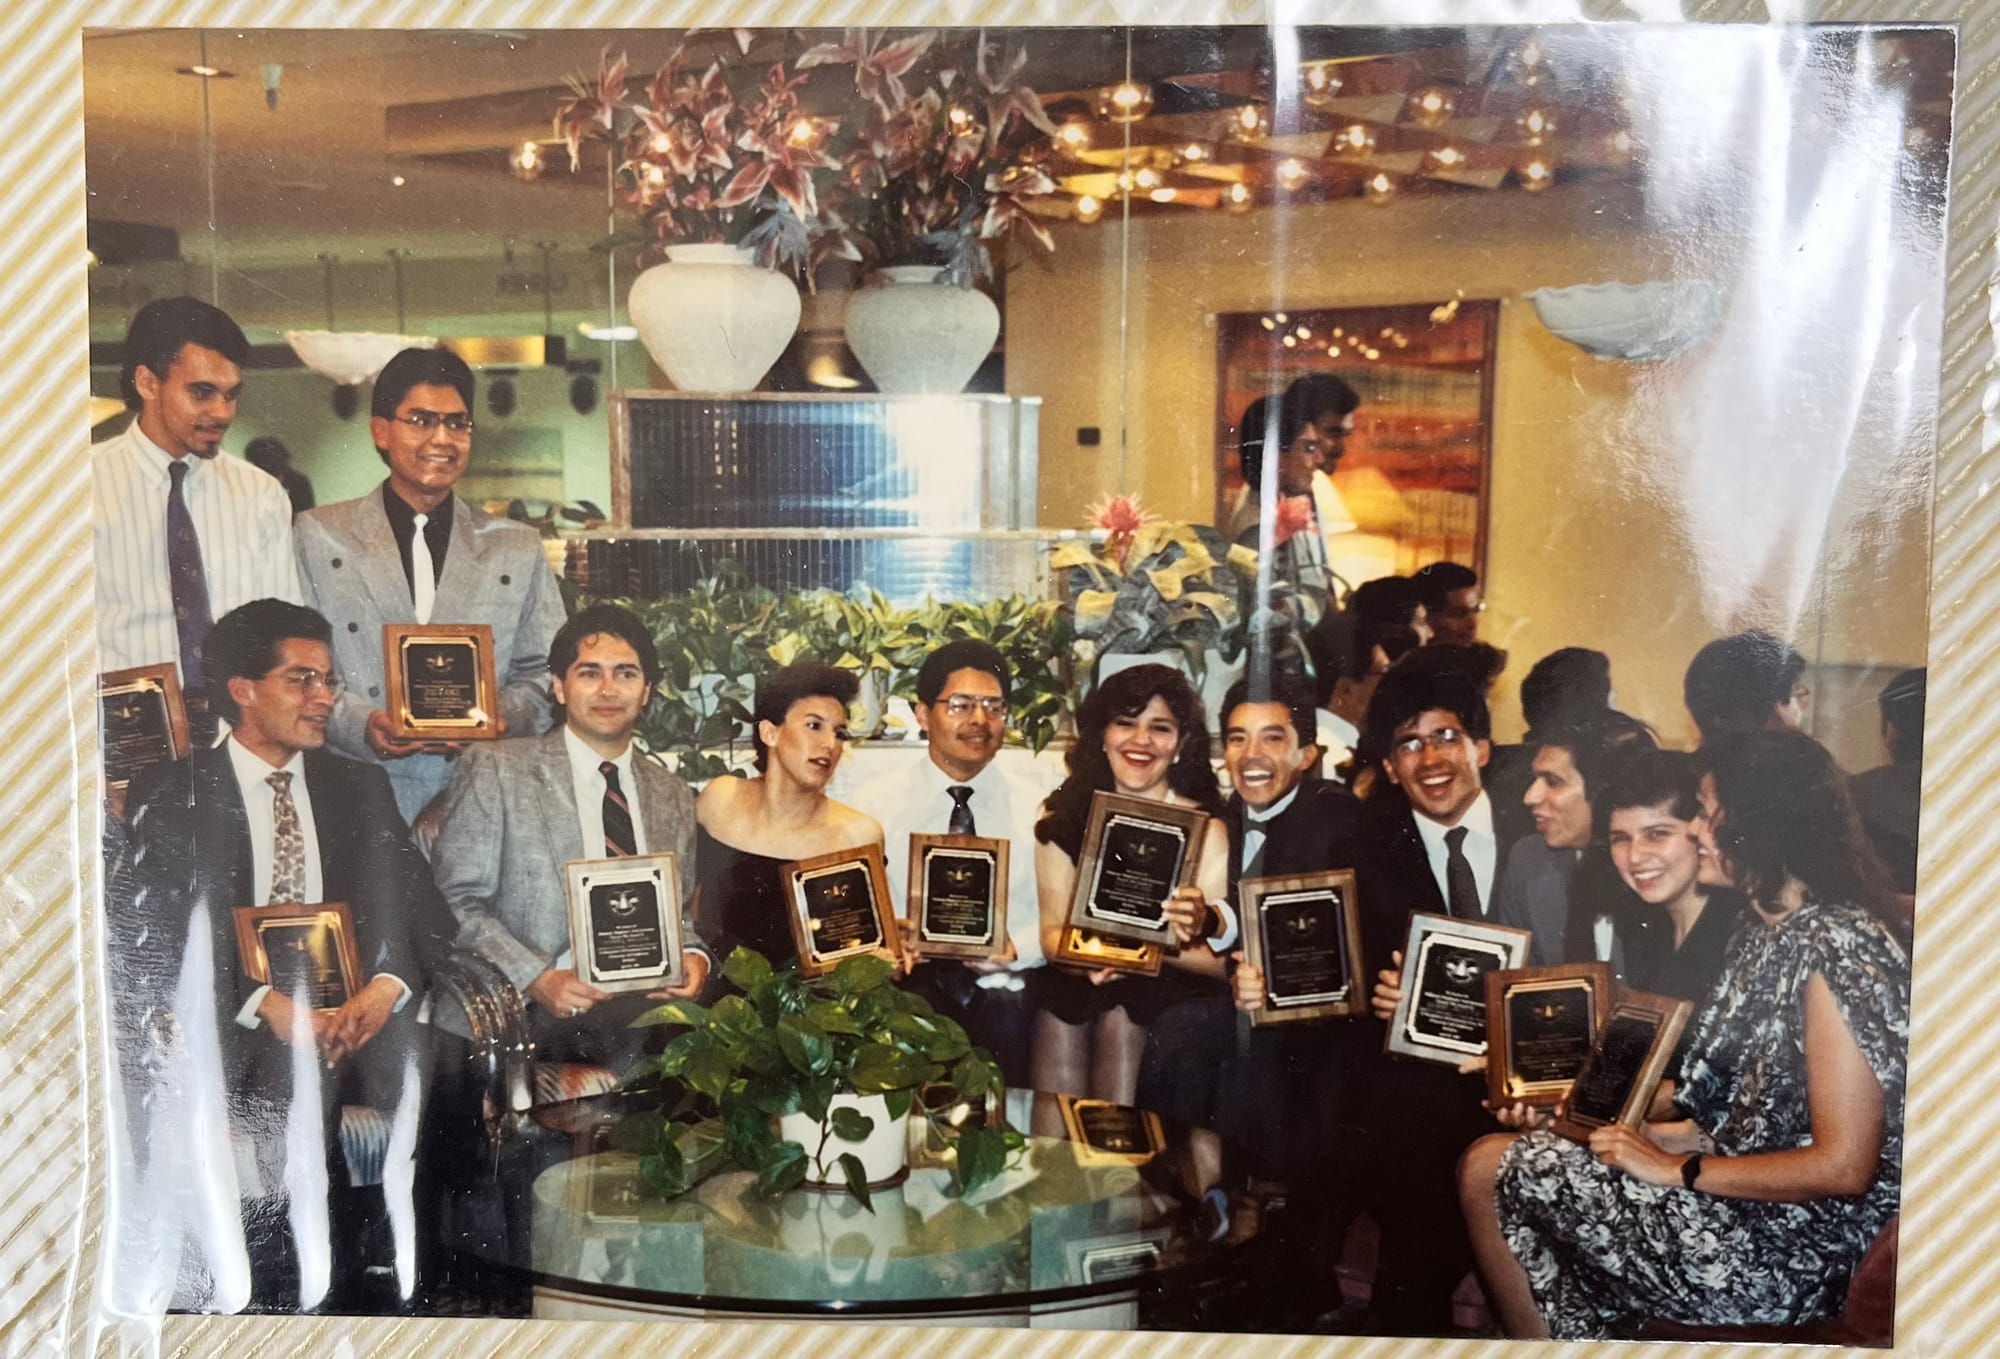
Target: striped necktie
[(618, 839)]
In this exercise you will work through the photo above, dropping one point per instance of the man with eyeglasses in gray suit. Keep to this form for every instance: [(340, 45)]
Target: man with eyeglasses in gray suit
[(412, 552), (959, 789)]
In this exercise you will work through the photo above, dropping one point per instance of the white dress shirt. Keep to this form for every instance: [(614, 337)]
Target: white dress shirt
[(908, 801), (241, 515), (1482, 850), (260, 807), (589, 783)]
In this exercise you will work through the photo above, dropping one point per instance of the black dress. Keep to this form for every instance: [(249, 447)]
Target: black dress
[(742, 900)]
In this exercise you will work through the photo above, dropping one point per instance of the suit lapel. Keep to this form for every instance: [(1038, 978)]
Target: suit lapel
[(557, 795), (336, 864), (458, 586), (380, 562)]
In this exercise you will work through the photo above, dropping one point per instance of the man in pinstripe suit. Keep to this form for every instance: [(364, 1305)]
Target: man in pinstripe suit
[(412, 552), (182, 536)]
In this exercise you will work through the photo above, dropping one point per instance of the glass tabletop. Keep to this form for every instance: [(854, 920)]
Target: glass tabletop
[(1098, 1202)]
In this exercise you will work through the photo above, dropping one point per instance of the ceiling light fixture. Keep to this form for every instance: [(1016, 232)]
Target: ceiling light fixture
[(1431, 107), (1238, 198), (1088, 209), (1380, 189), (1194, 151), (1536, 126), (1073, 135), (1125, 102), (1322, 83), (1249, 121), (1356, 139), (1448, 158), (606, 334), (206, 72), (1537, 174), (397, 181), (1291, 173)]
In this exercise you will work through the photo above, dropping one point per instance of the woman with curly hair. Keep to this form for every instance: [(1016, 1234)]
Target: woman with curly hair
[(1141, 734), (1776, 1155)]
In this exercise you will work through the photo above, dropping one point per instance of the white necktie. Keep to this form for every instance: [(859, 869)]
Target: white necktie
[(423, 576)]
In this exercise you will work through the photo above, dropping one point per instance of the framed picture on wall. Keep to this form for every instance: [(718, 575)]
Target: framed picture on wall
[(1412, 476)]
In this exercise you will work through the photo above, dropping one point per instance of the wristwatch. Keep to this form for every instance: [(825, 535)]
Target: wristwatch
[(1690, 1170)]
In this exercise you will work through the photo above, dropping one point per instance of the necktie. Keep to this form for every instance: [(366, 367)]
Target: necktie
[(1464, 894), (961, 810), (423, 575), (288, 843), (189, 585), (618, 841)]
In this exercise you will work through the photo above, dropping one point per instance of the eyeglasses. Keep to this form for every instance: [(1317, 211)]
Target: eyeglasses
[(1443, 739), (964, 705), (305, 681), (458, 422)]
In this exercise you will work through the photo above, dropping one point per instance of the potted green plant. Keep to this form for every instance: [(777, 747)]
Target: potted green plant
[(810, 1081)]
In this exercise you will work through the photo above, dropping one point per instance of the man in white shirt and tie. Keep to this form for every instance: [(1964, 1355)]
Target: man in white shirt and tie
[(517, 811), (266, 818), (413, 552), (959, 788), (182, 535)]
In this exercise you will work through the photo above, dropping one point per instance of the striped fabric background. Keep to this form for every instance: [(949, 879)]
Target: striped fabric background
[(51, 1177)]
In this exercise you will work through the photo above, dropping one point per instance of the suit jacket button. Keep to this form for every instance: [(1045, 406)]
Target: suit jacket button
[(354, 627), (336, 563), (374, 692), (506, 580)]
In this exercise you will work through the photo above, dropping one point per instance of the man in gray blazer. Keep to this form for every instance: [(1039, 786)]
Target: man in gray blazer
[(517, 811), (412, 552)]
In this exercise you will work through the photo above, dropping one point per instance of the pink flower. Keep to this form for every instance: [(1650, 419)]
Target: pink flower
[(1295, 516), (1119, 515)]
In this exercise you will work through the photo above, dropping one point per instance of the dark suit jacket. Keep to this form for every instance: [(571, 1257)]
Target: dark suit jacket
[(1321, 830), (187, 849), (1396, 878)]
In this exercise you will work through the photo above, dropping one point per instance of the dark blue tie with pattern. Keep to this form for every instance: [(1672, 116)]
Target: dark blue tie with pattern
[(190, 592)]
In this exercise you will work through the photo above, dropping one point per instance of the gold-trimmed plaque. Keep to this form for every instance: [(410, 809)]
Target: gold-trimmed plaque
[(838, 907), (625, 922), (441, 684), (1136, 851), (1541, 1023), (958, 896), (293, 948), (1107, 1134), (1624, 1068), (1304, 934), (142, 722), (1442, 1014), (1090, 950)]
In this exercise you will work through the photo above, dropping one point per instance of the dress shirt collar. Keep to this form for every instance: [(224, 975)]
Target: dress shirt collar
[(584, 762), (251, 768), (1478, 820), (989, 781), (1272, 812), (403, 519), (157, 459)]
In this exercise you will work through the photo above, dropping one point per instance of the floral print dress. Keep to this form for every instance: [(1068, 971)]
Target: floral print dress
[(1605, 1253)]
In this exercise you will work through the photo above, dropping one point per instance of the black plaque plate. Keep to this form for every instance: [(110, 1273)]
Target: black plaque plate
[(1542, 1023), (1111, 1134), (625, 922), (142, 722), (1304, 934), (294, 949), (840, 908), (1619, 1077), (441, 684)]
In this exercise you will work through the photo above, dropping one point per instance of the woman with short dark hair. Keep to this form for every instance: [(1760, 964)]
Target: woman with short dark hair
[(1777, 1155), (750, 828)]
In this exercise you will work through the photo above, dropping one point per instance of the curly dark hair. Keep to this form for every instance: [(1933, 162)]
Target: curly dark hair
[(1783, 811), (1126, 694)]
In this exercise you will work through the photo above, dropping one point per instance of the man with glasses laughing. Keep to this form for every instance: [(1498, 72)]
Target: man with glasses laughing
[(957, 789), (412, 552), (233, 1084)]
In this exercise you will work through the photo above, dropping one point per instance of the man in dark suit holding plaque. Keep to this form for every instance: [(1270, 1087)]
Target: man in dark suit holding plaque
[(517, 812), (1435, 844), (412, 552), (230, 1076)]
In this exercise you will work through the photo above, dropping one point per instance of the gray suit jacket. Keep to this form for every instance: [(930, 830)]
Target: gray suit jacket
[(494, 573), (510, 824)]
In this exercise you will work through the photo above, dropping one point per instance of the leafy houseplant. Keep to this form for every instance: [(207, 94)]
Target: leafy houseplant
[(788, 1046), (1156, 586)]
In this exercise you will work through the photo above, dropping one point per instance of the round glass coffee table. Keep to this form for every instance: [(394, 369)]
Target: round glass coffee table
[(1096, 1209)]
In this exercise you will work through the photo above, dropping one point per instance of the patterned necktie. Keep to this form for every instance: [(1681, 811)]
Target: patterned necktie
[(618, 841), (288, 843), (961, 810), (423, 574), (190, 595), (1464, 902)]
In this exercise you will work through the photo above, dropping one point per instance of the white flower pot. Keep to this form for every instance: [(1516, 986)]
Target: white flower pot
[(884, 1153), (712, 318), (914, 334)]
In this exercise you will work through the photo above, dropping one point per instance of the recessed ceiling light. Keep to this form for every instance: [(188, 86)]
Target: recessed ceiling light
[(206, 72), (606, 334), (398, 181)]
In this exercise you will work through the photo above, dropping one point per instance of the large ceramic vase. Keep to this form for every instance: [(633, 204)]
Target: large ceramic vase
[(884, 1153), (712, 318), (914, 334)]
